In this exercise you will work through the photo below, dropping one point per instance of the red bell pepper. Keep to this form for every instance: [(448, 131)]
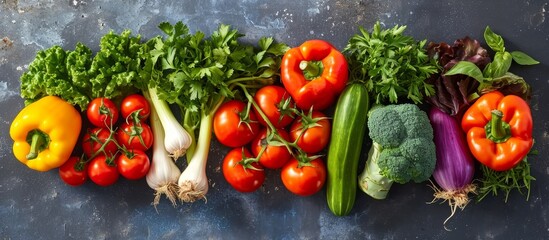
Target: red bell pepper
[(499, 130), (321, 91)]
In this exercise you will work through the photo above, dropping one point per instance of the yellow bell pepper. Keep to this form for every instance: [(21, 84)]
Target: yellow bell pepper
[(45, 133)]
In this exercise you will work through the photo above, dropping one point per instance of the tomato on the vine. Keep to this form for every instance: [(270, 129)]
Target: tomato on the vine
[(135, 136), (240, 178), (275, 102), (314, 138), (102, 112), (101, 172), (135, 104), (133, 165), (234, 125), (73, 172), (304, 180), (95, 138), (274, 156)]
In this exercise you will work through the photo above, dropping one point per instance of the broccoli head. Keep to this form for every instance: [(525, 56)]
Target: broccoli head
[(403, 149)]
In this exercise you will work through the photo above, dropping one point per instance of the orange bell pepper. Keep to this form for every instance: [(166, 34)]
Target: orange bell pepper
[(499, 130), (322, 91)]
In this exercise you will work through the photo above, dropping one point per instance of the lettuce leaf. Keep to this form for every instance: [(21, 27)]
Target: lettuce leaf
[(78, 78), (48, 75), (452, 92), (115, 67)]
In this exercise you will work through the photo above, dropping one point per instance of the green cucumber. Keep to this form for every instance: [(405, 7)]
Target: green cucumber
[(348, 128)]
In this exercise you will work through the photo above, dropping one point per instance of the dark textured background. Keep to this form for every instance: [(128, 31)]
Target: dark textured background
[(37, 205)]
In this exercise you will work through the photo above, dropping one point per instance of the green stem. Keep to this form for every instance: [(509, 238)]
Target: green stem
[(204, 139), (101, 150), (497, 130), (370, 180), (37, 144), (187, 125), (245, 79), (263, 148), (313, 69), (288, 145)]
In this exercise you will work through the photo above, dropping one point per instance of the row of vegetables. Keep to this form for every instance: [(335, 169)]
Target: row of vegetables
[(429, 111)]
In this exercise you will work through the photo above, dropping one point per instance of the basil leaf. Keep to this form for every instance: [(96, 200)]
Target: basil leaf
[(523, 59), (500, 65), (466, 68), (494, 41)]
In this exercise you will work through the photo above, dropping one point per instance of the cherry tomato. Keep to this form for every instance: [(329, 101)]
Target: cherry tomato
[(135, 136), (95, 138), (71, 174), (314, 139), (135, 104), (241, 179), (273, 157), (304, 180), (271, 100), (102, 173), (102, 112), (134, 165), (230, 127)]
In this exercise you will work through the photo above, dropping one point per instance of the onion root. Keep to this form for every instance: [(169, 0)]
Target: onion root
[(456, 198)]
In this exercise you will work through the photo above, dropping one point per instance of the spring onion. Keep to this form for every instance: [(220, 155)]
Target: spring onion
[(163, 174)]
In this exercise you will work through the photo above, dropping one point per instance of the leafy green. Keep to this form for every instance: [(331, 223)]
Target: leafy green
[(198, 73), (454, 86), (467, 68), (518, 178), (496, 75), (523, 59), (499, 66), (508, 84), (57, 72), (391, 65), (194, 72), (114, 69), (502, 59), (494, 41), (77, 77)]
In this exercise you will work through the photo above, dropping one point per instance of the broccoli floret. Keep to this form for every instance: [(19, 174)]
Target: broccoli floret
[(403, 149), (389, 134)]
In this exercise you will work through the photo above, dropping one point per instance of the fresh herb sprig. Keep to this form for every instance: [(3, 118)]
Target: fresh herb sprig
[(392, 65), (494, 182), (496, 75)]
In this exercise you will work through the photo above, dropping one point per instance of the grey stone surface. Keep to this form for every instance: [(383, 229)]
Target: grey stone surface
[(37, 205)]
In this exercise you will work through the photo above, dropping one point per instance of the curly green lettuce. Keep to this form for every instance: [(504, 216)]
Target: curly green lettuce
[(78, 78), (48, 75), (115, 67)]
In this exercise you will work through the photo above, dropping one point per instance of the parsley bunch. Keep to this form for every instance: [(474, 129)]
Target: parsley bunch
[(391, 65), (198, 73)]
